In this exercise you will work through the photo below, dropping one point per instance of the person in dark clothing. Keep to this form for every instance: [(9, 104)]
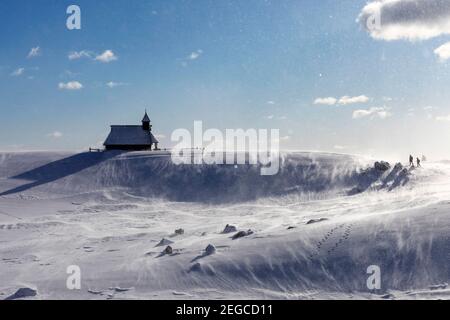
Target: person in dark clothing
[(418, 162), (411, 160)]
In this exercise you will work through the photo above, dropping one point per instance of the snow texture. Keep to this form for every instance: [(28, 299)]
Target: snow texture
[(315, 228)]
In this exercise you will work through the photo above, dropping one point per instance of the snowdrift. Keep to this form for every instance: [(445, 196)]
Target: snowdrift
[(315, 227), (155, 175)]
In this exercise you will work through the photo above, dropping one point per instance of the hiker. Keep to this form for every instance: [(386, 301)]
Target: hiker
[(411, 161), (418, 162)]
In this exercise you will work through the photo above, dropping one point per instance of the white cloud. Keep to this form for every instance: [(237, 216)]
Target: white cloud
[(339, 147), (195, 55), (72, 85), (443, 52), (269, 117), (406, 19), (107, 56), (160, 136), (75, 55), (18, 72), (55, 135), (345, 100), (443, 118), (113, 84), (69, 74), (429, 112), (34, 52), (330, 101), (381, 113)]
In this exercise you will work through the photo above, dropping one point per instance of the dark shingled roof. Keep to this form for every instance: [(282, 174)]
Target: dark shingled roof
[(130, 135)]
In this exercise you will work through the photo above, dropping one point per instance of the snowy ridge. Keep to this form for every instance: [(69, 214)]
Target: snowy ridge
[(147, 175)]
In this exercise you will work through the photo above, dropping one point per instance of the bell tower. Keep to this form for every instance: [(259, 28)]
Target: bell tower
[(146, 122)]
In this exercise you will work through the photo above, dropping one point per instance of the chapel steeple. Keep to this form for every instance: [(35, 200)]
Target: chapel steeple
[(146, 122)]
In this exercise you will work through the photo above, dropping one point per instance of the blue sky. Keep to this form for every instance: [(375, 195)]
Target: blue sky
[(231, 64)]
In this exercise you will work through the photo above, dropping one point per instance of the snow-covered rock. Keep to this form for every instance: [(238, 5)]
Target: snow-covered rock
[(168, 250), (311, 221), (164, 242), (210, 249), (179, 232), (242, 234), (382, 166), (23, 293), (229, 229)]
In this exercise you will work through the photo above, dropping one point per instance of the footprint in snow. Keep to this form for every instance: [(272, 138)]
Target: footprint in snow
[(95, 292), (119, 289), (321, 243), (176, 293)]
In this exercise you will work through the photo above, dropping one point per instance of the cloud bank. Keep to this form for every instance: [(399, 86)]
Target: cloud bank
[(411, 20)]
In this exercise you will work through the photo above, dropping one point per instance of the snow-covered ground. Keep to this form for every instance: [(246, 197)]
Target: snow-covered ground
[(316, 228)]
